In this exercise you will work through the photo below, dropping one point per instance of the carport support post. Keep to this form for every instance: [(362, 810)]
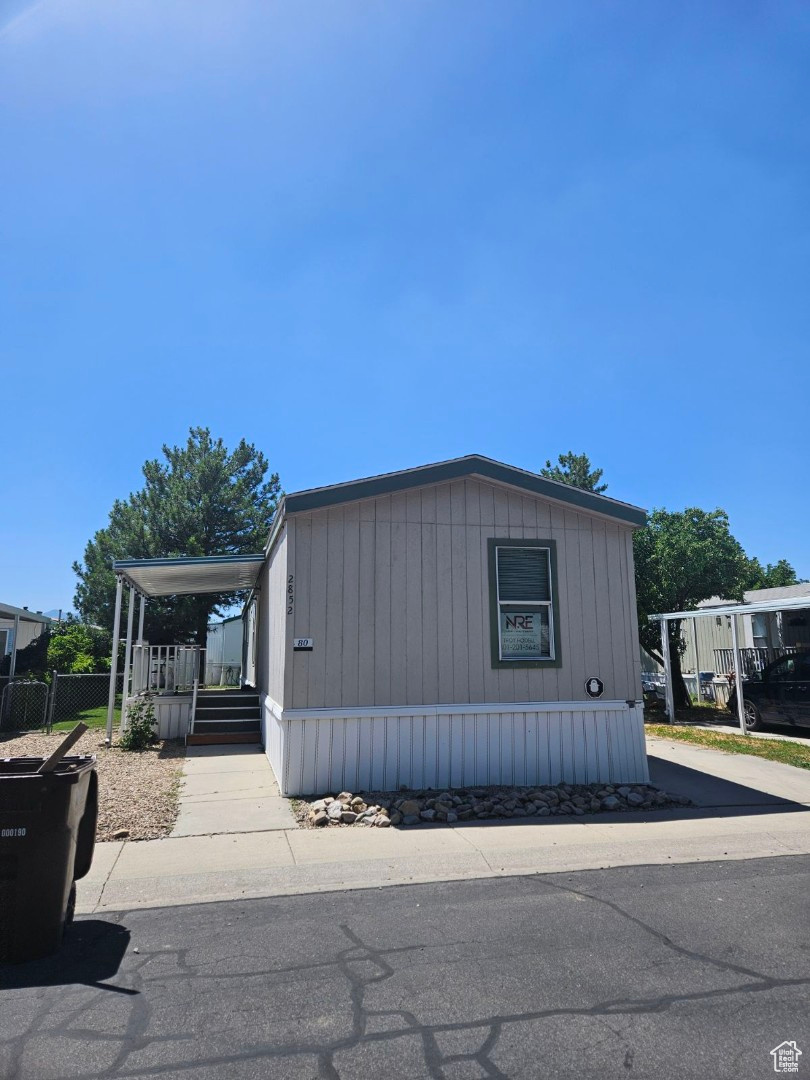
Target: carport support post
[(668, 691), (141, 614), (738, 675), (114, 660), (127, 654), (13, 662)]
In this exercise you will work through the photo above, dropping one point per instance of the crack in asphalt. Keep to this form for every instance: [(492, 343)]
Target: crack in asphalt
[(362, 967)]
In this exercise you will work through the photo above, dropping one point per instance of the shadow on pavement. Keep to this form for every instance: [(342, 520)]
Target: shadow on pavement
[(91, 954), (711, 797), (713, 793)]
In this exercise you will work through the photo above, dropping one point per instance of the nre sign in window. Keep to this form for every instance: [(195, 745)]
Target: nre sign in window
[(524, 598)]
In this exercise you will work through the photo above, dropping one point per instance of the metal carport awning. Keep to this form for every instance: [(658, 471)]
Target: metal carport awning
[(182, 576), (786, 604)]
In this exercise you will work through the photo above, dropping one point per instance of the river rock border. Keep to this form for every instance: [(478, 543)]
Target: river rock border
[(383, 809)]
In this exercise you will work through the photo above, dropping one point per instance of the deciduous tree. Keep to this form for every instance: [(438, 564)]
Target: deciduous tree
[(681, 558), (772, 576)]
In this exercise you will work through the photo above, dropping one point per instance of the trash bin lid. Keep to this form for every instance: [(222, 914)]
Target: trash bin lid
[(17, 767)]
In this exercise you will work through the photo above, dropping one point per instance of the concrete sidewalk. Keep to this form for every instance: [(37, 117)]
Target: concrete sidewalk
[(230, 789), (742, 811)]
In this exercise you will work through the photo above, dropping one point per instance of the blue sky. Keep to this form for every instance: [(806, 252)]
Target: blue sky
[(370, 235)]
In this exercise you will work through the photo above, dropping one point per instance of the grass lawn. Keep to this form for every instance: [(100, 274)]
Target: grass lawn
[(94, 718), (789, 753)]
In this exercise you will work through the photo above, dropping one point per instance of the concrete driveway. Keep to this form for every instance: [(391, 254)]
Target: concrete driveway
[(714, 779)]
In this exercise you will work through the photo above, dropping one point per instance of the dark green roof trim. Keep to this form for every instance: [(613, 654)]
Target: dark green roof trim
[(473, 464), (201, 560)]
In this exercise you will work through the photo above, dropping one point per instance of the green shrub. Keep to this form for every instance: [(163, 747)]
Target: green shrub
[(140, 729), (84, 664), (79, 649)]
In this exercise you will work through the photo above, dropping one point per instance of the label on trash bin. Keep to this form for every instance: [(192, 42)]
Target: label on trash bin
[(19, 831)]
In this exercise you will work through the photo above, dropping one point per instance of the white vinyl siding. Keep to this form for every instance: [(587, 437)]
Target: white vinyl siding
[(456, 746)]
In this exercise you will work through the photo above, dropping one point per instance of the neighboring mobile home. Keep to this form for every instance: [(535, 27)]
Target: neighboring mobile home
[(223, 652), (459, 624), (19, 628), (763, 636)]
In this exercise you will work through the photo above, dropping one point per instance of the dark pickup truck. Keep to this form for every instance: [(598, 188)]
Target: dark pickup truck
[(781, 694)]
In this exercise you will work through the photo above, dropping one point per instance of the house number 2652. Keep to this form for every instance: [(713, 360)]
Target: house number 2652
[(290, 593)]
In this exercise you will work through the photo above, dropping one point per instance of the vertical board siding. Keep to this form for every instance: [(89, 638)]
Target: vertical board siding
[(318, 755), (395, 592), (272, 619), (172, 715), (273, 739)]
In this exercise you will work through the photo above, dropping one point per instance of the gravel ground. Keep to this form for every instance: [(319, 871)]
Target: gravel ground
[(138, 792)]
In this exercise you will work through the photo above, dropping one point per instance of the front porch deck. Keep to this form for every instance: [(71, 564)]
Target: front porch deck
[(175, 674)]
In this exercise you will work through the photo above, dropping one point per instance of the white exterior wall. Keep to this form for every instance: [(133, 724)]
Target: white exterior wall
[(272, 634), (224, 642), (173, 714), (223, 650), (521, 745), (400, 689), (26, 632)]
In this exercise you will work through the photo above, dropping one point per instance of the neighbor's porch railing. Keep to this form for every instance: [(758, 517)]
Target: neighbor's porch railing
[(166, 669), (752, 660)]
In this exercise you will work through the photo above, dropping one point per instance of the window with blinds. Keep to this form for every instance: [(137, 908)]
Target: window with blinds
[(524, 598)]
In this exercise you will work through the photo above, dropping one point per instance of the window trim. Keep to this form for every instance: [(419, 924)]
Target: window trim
[(493, 543)]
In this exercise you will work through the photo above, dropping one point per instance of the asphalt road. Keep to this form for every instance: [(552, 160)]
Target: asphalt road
[(695, 970)]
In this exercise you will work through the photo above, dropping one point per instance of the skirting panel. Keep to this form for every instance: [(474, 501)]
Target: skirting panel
[(444, 746), (173, 713)]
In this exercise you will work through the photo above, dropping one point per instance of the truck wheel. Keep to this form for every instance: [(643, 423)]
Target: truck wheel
[(753, 721), (71, 905)]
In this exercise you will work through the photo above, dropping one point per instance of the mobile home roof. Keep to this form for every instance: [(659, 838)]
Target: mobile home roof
[(455, 469)]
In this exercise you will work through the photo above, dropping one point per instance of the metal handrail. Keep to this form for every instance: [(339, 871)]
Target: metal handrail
[(193, 704)]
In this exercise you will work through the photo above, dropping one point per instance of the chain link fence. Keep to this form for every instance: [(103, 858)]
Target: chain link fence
[(76, 698), (61, 703), (23, 706)]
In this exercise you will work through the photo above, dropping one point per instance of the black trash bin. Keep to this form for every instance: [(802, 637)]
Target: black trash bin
[(47, 835)]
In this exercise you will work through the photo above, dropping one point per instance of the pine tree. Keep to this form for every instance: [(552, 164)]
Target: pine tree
[(199, 500), (575, 470)]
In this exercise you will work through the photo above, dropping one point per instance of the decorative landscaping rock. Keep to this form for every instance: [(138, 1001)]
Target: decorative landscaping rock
[(381, 810)]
